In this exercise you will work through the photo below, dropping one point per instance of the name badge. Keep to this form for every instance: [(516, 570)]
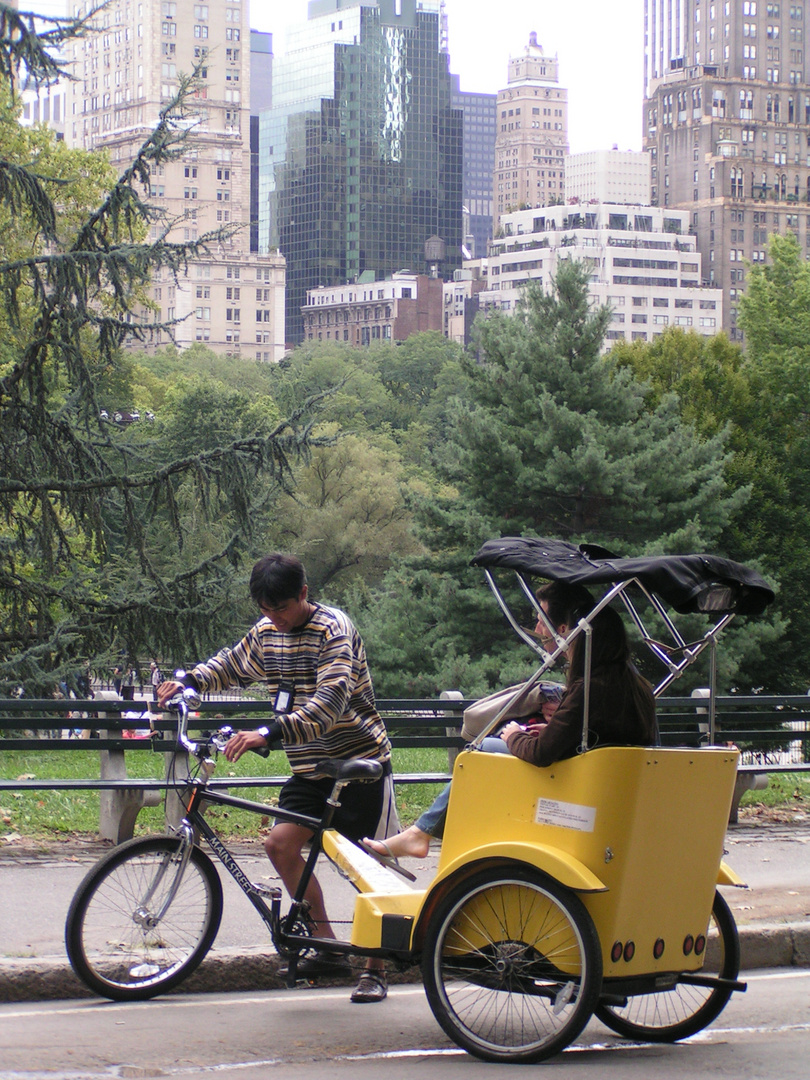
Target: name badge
[(284, 698)]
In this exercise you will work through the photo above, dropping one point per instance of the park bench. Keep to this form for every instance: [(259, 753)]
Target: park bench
[(772, 732), (49, 724)]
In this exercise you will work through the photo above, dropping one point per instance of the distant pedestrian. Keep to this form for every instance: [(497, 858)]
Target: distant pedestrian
[(84, 684), (156, 678)]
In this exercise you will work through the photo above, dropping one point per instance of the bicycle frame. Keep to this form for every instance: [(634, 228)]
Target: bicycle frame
[(282, 928)]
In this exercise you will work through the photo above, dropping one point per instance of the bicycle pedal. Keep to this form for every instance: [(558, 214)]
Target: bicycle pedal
[(273, 892)]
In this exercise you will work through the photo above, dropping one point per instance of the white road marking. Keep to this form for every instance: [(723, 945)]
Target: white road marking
[(232, 1000)]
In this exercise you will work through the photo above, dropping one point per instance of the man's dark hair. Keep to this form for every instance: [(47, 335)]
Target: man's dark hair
[(567, 603), (276, 578)]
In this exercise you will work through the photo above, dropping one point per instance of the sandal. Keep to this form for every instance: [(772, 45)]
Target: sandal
[(371, 987), (389, 860)]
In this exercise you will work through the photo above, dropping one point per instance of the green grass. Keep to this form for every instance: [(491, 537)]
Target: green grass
[(54, 813), (784, 789)]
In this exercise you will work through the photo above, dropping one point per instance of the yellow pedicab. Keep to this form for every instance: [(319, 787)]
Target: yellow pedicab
[(589, 886)]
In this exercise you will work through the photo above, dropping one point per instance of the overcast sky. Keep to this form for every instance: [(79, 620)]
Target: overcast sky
[(599, 43)]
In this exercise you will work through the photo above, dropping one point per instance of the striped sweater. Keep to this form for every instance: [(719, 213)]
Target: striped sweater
[(334, 714)]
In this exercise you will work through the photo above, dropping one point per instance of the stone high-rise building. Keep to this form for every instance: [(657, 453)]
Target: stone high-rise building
[(531, 135), (233, 301), (360, 157), (727, 124)]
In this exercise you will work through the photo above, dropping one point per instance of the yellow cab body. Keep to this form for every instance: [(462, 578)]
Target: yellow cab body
[(638, 833)]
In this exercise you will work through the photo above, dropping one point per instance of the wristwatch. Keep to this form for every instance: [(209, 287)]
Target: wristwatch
[(264, 732)]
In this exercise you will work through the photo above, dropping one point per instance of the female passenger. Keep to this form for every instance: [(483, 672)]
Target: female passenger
[(621, 709)]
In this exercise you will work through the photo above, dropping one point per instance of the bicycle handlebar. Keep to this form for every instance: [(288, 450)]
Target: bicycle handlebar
[(184, 703)]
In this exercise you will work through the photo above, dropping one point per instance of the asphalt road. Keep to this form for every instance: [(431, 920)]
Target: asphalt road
[(319, 1034)]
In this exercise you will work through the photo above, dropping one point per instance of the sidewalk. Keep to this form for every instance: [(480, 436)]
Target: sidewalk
[(38, 882)]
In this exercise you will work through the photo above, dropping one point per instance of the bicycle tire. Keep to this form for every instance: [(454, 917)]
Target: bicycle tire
[(512, 965), (670, 1015), (112, 946)]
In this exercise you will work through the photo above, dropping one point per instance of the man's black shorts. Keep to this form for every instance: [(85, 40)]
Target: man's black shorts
[(361, 804)]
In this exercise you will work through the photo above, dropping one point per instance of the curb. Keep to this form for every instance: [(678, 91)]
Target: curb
[(765, 945), (774, 945)]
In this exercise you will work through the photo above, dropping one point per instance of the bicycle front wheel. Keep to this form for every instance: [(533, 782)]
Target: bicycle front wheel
[(512, 965), (670, 1015), (120, 941)]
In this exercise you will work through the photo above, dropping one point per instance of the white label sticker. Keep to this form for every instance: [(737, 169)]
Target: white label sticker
[(565, 814)]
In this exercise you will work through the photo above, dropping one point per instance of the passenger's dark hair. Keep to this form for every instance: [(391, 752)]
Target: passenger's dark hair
[(276, 578), (566, 603), (611, 659)]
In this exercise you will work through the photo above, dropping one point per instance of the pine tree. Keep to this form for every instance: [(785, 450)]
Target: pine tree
[(548, 438), (85, 568)]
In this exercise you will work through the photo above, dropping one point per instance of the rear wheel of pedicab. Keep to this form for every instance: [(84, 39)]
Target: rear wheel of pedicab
[(512, 965), (678, 1013), (120, 941)]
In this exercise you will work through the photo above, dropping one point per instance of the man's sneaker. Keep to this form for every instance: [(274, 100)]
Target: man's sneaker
[(321, 963), (372, 986)]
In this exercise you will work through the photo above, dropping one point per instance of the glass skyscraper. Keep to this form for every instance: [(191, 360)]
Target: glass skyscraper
[(480, 121), (360, 157)]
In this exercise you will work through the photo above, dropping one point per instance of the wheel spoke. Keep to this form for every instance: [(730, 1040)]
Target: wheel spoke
[(512, 967), (118, 944)]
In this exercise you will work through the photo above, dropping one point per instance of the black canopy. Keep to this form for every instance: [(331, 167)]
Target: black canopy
[(686, 583)]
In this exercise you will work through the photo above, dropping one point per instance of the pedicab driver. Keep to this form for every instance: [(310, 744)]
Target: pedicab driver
[(313, 661)]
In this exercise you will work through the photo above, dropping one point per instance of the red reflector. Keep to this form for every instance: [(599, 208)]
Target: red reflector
[(658, 949), (616, 952), (700, 944), (629, 951), (688, 944)]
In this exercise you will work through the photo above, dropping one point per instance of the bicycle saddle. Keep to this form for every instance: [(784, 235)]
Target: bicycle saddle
[(353, 769)]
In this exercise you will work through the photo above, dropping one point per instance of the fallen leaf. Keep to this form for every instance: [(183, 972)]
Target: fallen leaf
[(27, 776)]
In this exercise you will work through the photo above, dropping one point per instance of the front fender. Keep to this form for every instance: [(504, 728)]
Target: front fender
[(558, 864), (726, 876)]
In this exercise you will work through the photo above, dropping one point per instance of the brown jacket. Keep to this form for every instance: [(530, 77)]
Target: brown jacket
[(614, 719)]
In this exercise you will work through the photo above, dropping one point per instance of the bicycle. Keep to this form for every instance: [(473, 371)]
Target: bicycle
[(145, 916)]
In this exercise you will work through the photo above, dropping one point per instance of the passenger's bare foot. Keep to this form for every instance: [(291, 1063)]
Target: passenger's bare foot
[(412, 842)]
